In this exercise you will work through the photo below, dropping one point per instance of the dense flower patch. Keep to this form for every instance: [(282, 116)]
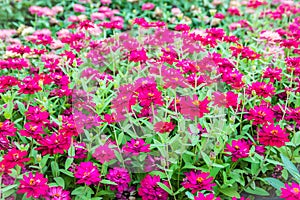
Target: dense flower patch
[(98, 104)]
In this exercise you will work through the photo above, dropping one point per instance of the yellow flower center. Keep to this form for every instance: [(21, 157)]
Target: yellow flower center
[(296, 190), (274, 132), (236, 147), (196, 102), (200, 180), (31, 181), (1, 124), (261, 113), (150, 94)]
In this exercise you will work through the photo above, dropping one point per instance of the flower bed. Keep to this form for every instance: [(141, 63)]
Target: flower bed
[(157, 103)]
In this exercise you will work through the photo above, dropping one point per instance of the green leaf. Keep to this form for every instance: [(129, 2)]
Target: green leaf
[(230, 192), (55, 169), (79, 191), (60, 181), (66, 172), (275, 183), (189, 195), (290, 167), (8, 187), (257, 191), (68, 163), (108, 182), (165, 188)]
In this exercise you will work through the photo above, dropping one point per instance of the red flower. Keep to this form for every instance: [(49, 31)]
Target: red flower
[(271, 135), (16, 157), (197, 181), (192, 108), (87, 173), (291, 192), (34, 185), (32, 130), (238, 149)]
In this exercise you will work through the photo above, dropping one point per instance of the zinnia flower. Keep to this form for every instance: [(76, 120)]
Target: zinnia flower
[(291, 192), (34, 185), (149, 189), (192, 108), (238, 149), (260, 115), (201, 196), (87, 173), (57, 193), (198, 180), (271, 135), (120, 176), (136, 146), (16, 157)]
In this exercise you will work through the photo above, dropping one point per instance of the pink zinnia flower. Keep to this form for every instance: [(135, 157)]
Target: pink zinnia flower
[(291, 192), (138, 56), (238, 149), (34, 185), (87, 173), (136, 146), (104, 153), (201, 196), (273, 74), (192, 107), (78, 8), (57, 193), (198, 180), (149, 189), (120, 176), (271, 135), (148, 6)]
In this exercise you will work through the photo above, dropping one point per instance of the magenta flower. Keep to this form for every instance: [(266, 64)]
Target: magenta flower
[(271, 135), (262, 89), (7, 128), (192, 107), (87, 173), (138, 56), (260, 115), (120, 176), (34, 185), (238, 149), (164, 127), (291, 192), (201, 196), (136, 146), (57, 193), (104, 154), (16, 157), (149, 189), (197, 181), (54, 144)]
